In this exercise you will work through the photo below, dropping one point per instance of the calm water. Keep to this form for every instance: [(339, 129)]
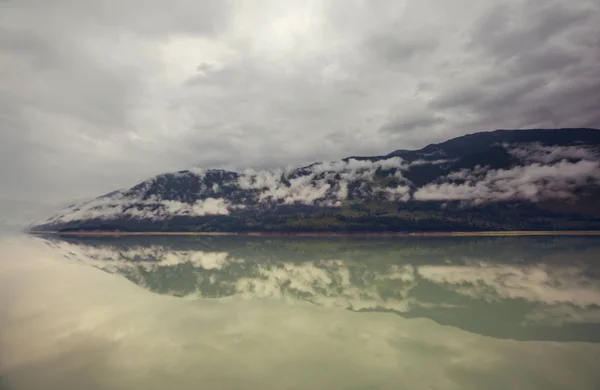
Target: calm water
[(310, 313)]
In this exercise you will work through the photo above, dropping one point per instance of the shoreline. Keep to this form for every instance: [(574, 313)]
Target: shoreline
[(518, 233)]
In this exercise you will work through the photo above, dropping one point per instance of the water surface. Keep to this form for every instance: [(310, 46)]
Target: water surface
[(321, 313)]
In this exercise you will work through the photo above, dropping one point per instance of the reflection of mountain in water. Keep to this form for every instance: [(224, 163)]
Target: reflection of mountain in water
[(523, 288)]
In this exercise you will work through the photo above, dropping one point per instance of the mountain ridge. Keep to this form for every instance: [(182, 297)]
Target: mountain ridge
[(497, 180)]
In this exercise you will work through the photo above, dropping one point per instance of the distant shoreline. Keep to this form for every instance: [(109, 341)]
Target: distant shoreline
[(330, 234)]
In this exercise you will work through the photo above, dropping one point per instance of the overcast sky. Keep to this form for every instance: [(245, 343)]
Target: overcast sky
[(99, 95)]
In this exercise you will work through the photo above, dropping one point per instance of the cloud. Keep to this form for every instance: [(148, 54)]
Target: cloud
[(530, 183), (325, 183), (528, 44), (96, 96), (411, 122), (502, 33), (394, 49), (322, 184), (540, 173), (119, 206), (549, 154)]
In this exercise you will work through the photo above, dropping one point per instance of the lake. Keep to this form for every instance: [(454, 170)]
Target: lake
[(233, 312)]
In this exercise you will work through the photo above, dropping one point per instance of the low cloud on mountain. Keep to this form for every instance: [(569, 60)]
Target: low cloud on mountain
[(100, 95), (541, 173), (530, 183), (536, 152)]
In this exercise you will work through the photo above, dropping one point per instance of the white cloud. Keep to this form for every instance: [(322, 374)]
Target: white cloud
[(324, 183), (536, 152), (397, 194), (122, 207), (531, 183), (327, 184)]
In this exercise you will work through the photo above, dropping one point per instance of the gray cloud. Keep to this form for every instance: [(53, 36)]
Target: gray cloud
[(100, 95), (511, 30), (393, 49), (548, 60), (409, 122), (532, 72)]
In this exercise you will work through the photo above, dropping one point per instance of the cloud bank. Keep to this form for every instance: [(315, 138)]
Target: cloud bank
[(533, 183), (100, 95), (538, 173)]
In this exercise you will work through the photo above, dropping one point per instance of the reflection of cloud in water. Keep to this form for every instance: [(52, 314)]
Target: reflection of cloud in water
[(452, 287), (324, 282), (148, 258), (328, 283), (65, 326), (541, 282), (537, 283)]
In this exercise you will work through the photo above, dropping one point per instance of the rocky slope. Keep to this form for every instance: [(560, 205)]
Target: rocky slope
[(501, 180)]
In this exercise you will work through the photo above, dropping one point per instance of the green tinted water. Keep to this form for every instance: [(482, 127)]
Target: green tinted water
[(309, 313)]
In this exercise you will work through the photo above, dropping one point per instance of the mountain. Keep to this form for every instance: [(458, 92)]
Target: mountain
[(500, 180)]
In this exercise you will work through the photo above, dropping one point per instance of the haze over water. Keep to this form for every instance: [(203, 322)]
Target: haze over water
[(299, 313)]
